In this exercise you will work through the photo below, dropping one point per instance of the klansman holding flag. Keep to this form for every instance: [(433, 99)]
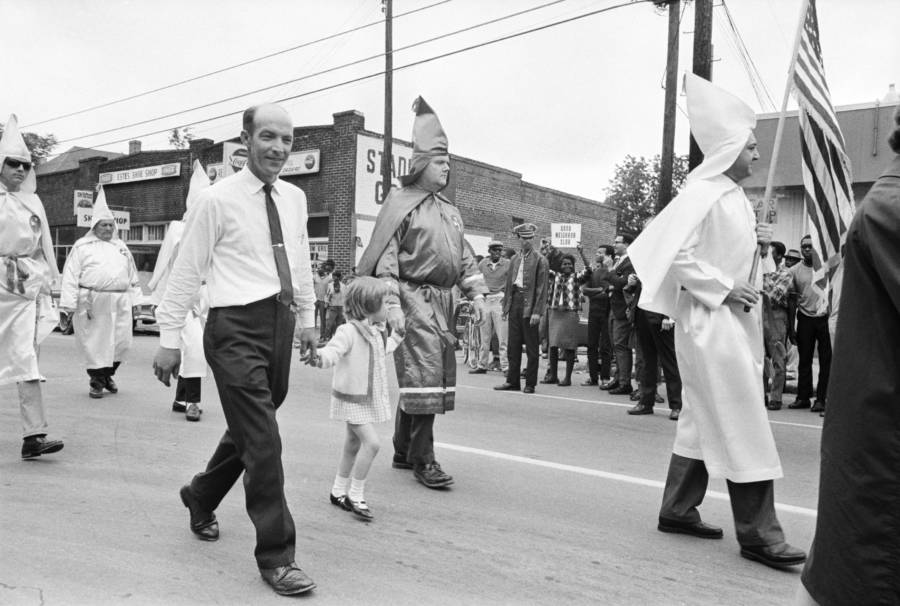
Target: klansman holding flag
[(693, 261)]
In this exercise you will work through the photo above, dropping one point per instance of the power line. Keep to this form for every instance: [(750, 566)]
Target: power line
[(756, 81), (314, 74), (396, 69), (230, 67)]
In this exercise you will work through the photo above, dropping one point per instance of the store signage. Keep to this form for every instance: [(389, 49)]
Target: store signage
[(85, 216), (234, 156), (565, 235), (144, 173), (83, 199), (369, 187)]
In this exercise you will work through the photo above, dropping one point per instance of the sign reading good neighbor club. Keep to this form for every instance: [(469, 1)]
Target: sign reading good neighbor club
[(565, 235), (141, 174)]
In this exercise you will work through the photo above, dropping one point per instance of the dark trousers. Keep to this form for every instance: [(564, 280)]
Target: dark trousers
[(598, 342), (521, 331), (657, 348), (333, 318), (414, 437), (188, 390), (100, 375), (248, 349), (321, 309), (621, 337), (812, 331), (752, 503)]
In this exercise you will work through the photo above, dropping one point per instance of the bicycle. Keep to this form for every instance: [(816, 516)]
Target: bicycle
[(470, 332)]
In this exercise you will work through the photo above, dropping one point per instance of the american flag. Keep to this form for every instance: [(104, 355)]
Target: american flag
[(827, 181)]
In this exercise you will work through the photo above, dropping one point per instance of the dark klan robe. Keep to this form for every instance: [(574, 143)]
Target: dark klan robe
[(418, 247), (855, 556)]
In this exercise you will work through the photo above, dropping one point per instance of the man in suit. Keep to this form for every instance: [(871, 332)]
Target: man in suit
[(597, 292), (622, 326), (524, 302)]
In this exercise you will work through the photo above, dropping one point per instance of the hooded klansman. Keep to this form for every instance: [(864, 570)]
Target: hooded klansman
[(27, 272), (418, 248), (193, 360), (689, 259), (100, 285)]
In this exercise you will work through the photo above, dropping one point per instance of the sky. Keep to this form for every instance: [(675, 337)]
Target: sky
[(562, 106)]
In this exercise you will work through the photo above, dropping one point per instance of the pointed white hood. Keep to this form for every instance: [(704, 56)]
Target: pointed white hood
[(12, 145), (102, 212)]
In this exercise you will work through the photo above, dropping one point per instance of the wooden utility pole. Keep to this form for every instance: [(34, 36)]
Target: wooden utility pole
[(702, 60), (386, 180), (667, 157)]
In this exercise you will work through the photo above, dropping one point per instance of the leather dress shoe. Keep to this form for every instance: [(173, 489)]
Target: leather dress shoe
[(528, 389), (111, 386), (287, 580), (640, 409), (799, 403), (609, 385), (193, 412), (548, 380), (635, 395), (179, 406), (478, 371), (589, 383), (774, 556), (35, 446), (432, 476), (399, 462), (695, 529), (674, 414), (622, 390), (203, 523), (506, 387), (96, 390), (818, 406)]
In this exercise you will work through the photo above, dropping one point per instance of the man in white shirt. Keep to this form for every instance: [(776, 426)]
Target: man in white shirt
[(246, 235)]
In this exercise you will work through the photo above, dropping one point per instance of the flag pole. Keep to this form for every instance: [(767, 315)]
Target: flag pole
[(779, 131)]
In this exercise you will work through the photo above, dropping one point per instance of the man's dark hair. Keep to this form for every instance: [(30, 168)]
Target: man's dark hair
[(806, 237), (778, 247), (608, 249), (249, 115), (626, 238)]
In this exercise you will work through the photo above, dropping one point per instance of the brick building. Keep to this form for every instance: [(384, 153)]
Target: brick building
[(337, 166)]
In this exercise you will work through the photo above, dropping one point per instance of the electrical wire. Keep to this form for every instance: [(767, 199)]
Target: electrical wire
[(315, 74), (230, 67), (396, 69), (756, 81)]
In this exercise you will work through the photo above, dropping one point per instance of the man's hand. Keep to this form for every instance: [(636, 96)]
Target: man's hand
[(166, 363), (504, 316), (308, 344), (743, 293), (764, 233), (396, 320), (632, 279), (668, 323), (535, 319), (478, 308)]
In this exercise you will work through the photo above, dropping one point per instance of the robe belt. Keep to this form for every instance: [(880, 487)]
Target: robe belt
[(428, 291), (89, 301), (15, 275)]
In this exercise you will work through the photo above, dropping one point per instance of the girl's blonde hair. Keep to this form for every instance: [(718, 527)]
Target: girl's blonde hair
[(364, 296)]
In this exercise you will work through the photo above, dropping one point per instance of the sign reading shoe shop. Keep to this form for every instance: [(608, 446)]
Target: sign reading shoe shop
[(144, 173)]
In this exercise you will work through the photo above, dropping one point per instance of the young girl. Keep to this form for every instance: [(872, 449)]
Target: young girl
[(359, 397)]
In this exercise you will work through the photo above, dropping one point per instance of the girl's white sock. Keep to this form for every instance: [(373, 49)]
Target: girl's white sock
[(339, 488), (356, 490)]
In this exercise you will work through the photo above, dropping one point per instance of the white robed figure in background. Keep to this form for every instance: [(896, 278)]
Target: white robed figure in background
[(694, 261), (100, 285), (27, 272), (193, 361)]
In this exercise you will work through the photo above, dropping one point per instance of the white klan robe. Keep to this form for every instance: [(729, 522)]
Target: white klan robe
[(100, 283), (688, 260), (27, 269), (193, 360)]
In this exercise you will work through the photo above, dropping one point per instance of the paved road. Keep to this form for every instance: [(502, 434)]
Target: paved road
[(555, 503)]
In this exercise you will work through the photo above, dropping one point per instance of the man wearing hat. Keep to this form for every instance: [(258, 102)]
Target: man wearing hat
[(28, 268), (418, 248), (524, 302), (494, 268), (694, 261), (777, 322), (792, 257), (100, 285)]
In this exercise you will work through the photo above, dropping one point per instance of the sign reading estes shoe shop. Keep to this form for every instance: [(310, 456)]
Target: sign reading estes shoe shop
[(144, 173)]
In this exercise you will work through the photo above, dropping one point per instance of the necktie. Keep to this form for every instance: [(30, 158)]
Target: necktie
[(286, 296)]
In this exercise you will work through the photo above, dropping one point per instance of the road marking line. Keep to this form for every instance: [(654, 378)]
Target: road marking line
[(619, 405), (606, 475)]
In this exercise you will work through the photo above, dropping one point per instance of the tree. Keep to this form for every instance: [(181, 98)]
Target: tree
[(634, 189), (180, 138), (40, 146)]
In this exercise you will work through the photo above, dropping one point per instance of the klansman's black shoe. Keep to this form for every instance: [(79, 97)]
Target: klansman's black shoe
[(179, 406), (695, 529), (35, 446), (203, 523), (507, 387), (432, 476), (287, 580), (110, 385), (774, 556), (96, 390)]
